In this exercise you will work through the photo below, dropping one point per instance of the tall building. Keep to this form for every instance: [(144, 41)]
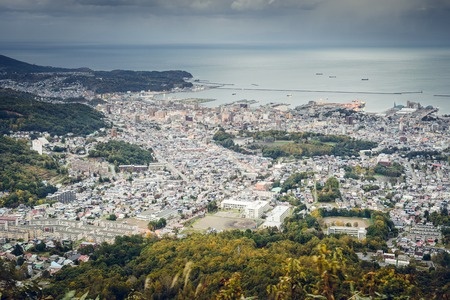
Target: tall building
[(349, 120)]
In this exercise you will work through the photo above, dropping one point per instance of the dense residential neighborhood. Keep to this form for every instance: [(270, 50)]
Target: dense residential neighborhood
[(147, 165), (190, 171)]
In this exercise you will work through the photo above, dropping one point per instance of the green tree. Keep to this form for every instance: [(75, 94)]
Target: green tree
[(18, 250), (212, 206), (154, 225), (330, 191), (112, 217)]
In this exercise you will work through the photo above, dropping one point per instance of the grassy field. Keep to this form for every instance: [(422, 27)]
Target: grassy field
[(280, 143), (224, 221), (342, 221), (274, 143)]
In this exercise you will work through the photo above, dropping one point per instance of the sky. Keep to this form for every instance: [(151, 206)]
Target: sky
[(304, 22)]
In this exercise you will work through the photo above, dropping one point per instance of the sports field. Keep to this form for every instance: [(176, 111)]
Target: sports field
[(224, 221), (342, 221)]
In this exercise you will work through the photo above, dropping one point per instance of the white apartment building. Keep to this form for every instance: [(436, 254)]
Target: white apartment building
[(360, 233), (256, 209), (37, 145), (251, 209), (277, 216)]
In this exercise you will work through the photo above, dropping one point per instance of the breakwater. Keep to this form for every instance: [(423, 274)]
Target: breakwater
[(319, 91)]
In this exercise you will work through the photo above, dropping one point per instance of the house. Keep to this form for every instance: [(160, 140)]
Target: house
[(83, 258), (54, 267)]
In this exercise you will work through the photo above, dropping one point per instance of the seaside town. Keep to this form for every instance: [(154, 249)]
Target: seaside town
[(191, 174), (224, 150)]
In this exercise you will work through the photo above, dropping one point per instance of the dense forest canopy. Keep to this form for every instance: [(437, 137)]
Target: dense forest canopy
[(21, 112), (395, 170), (122, 153)]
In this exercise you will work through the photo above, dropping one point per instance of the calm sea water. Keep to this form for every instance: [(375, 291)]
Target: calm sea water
[(289, 75)]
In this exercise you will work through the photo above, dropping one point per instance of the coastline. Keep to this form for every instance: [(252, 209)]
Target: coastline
[(266, 73), (375, 102)]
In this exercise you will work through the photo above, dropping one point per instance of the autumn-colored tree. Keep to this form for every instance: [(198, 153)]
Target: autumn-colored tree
[(291, 284), (330, 265), (389, 283), (232, 290)]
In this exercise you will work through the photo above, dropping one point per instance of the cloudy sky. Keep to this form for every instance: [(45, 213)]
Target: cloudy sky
[(308, 22)]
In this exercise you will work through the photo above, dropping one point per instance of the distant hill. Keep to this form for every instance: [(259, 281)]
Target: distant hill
[(11, 65), (134, 81), (20, 111), (97, 81)]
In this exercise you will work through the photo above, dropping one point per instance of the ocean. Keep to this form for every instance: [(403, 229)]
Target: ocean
[(292, 75)]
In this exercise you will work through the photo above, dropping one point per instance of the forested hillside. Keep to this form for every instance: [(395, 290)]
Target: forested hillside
[(122, 153), (298, 263), (95, 81), (23, 173), (11, 65), (135, 81), (21, 112), (275, 143)]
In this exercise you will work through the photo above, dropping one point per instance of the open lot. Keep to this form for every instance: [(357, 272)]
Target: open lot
[(341, 221), (224, 221), (141, 224)]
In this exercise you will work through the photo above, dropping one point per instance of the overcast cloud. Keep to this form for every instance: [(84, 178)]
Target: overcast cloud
[(341, 22)]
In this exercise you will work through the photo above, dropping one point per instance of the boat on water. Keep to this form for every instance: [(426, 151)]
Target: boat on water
[(364, 79), (319, 73), (332, 76), (289, 95)]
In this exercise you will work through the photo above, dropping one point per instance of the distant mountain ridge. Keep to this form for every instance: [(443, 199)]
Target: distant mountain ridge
[(19, 73), (8, 64)]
